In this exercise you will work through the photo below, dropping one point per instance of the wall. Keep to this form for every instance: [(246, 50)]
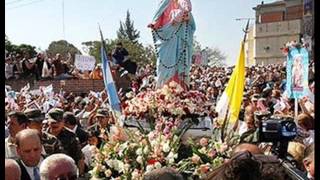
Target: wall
[(270, 37), (74, 85)]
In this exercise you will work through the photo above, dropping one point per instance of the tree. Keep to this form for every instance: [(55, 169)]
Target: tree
[(127, 30), (21, 49), (137, 52), (62, 47), (215, 56)]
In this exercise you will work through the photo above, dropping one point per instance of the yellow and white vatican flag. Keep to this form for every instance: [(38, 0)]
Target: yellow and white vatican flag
[(228, 106)]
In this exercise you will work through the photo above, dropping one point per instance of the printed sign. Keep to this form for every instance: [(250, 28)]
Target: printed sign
[(84, 62)]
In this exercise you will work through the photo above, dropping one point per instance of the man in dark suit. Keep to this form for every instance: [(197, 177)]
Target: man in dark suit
[(69, 141), (70, 122), (29, 150)]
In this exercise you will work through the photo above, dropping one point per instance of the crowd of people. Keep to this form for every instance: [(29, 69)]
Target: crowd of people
[(45, 66), (50, 135)]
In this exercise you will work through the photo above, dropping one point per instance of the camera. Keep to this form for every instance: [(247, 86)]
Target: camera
[(279, 131), (274, 130)]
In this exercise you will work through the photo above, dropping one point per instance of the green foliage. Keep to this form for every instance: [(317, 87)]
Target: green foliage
[(127, 30), (137, 52), (62, 47), (21, 49)]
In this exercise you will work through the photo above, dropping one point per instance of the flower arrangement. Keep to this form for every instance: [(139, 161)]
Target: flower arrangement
[(173, 111), (170, 101), (293, 44), (141, 153)]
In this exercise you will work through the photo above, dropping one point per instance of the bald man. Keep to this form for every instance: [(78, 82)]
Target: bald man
[(29, 150), (12, 170)]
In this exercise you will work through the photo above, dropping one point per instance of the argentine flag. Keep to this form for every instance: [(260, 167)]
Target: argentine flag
[(108, 80)]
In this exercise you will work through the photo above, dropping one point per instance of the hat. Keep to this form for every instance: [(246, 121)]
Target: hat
[(69, 118), (34, 115), (102, 113), (20, 116), (55, 115)]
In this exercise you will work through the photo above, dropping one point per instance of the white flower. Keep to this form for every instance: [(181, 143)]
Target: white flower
[(157, 165), (149, 168), (119, 166), (108, 173), (126, 168), (166, 148), (139, 151), (139, 159), (110, 163), (135, 174), (146, 150)]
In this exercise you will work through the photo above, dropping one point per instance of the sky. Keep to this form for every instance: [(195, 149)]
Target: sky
[(39, 22)]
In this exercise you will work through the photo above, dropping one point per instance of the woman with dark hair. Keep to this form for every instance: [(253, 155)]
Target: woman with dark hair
[(241, 166), (247, 166)]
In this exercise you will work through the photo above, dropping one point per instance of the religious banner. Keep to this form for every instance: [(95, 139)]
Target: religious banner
[(197, 58), (84, 62), (297, 72)]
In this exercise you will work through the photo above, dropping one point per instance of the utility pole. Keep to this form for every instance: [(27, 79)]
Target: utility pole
[(63, 28)]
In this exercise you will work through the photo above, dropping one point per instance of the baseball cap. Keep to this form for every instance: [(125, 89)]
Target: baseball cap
[(34, 115), (102, 113), (55, 115)]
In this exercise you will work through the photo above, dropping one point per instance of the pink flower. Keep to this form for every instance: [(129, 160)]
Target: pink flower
[(195, 159), (204, 142), (212, 153), (204, 168)]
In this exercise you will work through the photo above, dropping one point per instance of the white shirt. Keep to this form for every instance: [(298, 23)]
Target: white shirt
[(8, 70), (30, 169), (87, 152), (10, 148), (74, 129)]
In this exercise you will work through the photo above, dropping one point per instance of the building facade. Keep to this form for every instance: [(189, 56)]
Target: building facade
[(276, 24)]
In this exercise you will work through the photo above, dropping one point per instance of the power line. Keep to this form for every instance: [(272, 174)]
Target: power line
[(13, 2), (22, 5)]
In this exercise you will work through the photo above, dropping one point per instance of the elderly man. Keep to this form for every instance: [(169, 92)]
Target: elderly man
[(58, 166), (50, 143), (29, 149), (17, 121), (12, 170)]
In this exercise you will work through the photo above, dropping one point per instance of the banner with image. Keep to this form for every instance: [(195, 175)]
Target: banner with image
[(297, 72)]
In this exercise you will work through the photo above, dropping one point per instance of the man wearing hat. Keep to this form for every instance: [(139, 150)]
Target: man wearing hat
[(68, 140), (50, 143), (72, 125), (103, 121), (17, 121)]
